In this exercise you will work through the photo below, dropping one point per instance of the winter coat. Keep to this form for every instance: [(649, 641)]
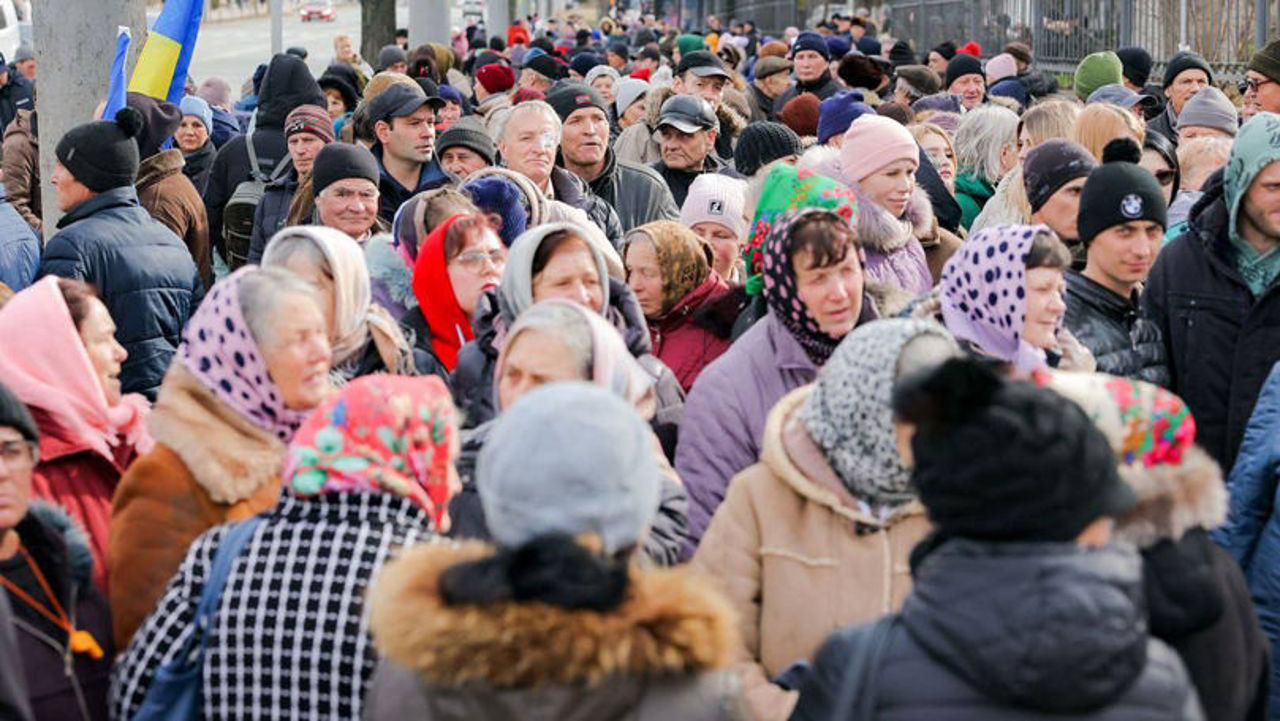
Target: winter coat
[(61, 685), (16, 95), (973, 642), (1007, 206), (789, 523), (640, 143), (21, 166), (972, 193), (574, 192), (210, 466), (1114, 330), (391, 194), (272, 212), (170, 197), (1166, 123), (1220, 341), (14, 703), (414, 326), (198, 164), (762, 107), (313, 661), (492, 110), (726, 410), (678, 181), (894, 253), (225, 127), (824, 87), (684, 344), (659, 656), (143, 273), (19, 247), (636, 192), (390, 278)]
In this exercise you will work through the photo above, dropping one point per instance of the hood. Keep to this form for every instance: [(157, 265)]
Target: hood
[(973, 186), (625, 314), (1173, 499), (657, 96), (387, 270), (24, 123), (671, 624), (517, 278), (1046, 626), (878, 230), (58, 545), (1256, 146), (535, 201), (159, 166), (731, 121), (287, 84), (708, 291)]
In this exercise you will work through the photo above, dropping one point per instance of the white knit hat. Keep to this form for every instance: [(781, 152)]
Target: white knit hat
[(627, 91), (715, 198)]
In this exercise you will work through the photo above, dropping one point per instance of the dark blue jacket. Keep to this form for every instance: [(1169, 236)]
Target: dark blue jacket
[(17, 94), (391, 194), (143, 272), (225, 127), (19, 247)]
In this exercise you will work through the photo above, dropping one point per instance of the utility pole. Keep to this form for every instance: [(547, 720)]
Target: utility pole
[(499, 18), (429, 22), (277, 27), (75, 42)]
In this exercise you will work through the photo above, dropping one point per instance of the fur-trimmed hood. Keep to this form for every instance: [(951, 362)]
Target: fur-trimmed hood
[(57, 543), (1173, 500), (671, 624), (878, 230), (391, 278)]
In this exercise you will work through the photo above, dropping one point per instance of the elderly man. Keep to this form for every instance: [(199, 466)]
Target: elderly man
[(528, 141), (772, 79), (345, 180), (687, 127), (541, 72), (1185, 74), (812, 67)]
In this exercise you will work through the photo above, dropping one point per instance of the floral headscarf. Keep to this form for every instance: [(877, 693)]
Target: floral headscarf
[(219, 349), (383, 434), (781, 292), (682, 257)]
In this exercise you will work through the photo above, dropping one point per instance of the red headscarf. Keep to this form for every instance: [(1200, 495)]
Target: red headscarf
[(449, 324)]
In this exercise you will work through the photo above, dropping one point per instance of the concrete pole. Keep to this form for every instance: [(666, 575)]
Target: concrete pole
[(277, 27), (429, 22), (499, 18), (75, 42), (1260, 22)]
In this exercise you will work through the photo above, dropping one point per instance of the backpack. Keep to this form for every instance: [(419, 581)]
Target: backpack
[(238, 213)]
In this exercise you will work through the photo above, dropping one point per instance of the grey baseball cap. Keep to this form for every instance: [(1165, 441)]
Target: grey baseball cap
[(1117, 94), (688, 114), (399, 100)]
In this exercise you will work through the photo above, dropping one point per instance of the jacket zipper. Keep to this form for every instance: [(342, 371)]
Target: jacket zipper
[(68, 660)]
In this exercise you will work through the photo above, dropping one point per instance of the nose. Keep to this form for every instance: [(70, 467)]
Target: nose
[(584, 295), (119, 352), (1056, 303)]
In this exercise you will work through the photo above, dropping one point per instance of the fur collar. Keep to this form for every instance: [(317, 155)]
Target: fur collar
[(229, 457), (878, 230), (673, 623), (1173, 500), (657, 96), (388, 271)]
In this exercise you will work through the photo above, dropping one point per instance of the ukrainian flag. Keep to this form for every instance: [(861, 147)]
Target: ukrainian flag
[(161, 71)]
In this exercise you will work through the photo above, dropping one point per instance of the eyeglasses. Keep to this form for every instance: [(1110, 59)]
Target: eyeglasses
[(346, 195), (18, 455), (1165, 177), (478, 260), (1250, 85)]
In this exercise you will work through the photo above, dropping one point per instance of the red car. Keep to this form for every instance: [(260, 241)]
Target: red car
[(318, 10)]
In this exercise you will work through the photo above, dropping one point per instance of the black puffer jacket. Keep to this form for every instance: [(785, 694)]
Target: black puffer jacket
[(574, 191), (1016, 632), (1122, 341), (143, 272), (1220, 340), (637, 192)]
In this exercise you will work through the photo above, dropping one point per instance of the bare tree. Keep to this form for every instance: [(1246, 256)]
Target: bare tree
[(377, 27)]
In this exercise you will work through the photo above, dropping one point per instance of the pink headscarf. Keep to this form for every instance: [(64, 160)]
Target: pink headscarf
[(44, 362)]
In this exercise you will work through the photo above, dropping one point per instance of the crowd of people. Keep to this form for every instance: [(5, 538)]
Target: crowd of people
[(621, 372)]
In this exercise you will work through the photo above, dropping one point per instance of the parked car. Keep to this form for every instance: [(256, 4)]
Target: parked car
[(318, 10)]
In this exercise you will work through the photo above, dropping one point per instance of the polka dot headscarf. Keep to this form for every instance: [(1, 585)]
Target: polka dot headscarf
[(781, 292)]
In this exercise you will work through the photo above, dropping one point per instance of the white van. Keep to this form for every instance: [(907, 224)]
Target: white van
[(10, 34)]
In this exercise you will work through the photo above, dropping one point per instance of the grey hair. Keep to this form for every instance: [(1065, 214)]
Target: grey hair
[(564, 322), (982, 134), (285, 246), (260, 294), (528, 105)]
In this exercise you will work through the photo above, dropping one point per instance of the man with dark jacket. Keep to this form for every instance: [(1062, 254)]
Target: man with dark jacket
[(812, 69), (1213, 291), (403, 119), (637, 193), (687, 126), (1121, 222), (307, 129), (143, 272), (1185, 74), (16, 93), (771, 78)]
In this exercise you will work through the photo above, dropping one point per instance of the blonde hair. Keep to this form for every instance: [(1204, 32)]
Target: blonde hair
[(1199, 157), (1101, 123), (1049, 119), (922, 130)]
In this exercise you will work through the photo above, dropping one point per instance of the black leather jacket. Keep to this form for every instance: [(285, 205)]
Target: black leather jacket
[(1123, 341)]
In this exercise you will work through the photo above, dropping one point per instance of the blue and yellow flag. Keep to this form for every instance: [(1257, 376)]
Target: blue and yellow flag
[(115, 93), (161, 71)]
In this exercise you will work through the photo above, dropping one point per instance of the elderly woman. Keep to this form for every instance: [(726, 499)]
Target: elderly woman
[(363, 336), (828, 509), (471, 631), (669, 268), (369, 473), (60, 621), (253, 363), (192, 138), (66, 369), (986, 149)]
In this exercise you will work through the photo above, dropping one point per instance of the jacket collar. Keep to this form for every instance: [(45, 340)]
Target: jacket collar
[(115, 198), (1102, 298), (709, 289), (160, 166)]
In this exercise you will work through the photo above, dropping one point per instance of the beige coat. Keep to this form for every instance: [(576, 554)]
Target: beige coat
[(798, 558)]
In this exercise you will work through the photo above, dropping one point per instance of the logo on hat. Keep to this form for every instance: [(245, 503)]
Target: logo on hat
[(1131, 206), (716, 207), (583, 99)]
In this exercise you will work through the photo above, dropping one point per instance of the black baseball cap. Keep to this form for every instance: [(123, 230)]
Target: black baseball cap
[(702, 63), (399, 100), (688, 114)]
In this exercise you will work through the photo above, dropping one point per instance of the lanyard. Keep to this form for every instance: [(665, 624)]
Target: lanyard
[(80, 641)]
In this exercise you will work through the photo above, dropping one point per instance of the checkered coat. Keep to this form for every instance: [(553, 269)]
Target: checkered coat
[(290, 640)]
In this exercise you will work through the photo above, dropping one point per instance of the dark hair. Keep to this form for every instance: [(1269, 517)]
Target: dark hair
[(826, 236), (470, 225), (552, 243), (900, 112), (1169, 152), (77, 294), (422, 63), (1047, 251), (860, 71), (553, 569)]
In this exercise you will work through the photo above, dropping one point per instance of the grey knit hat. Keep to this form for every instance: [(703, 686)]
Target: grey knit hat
[(627, 91), (467, 133), (1210, 108)]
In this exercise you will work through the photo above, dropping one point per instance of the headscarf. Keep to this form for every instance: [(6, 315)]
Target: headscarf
[(1256, 146), (781, 292), (219, 349), (516, 290), (44, 363), (786, 188), (984, 293), (450, 327), (682, 259), (380, 434), (849, 411)]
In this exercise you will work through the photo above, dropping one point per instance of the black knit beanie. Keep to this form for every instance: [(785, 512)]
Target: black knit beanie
[(1002, 460), (1137, 64), (568, 97), (946, 49), (961, 65), (902, 54), (1185, 60), (339, 161), (13, 414), (1119, 191), (762, 143), (103, 154), (1051, 165), (159, 121)]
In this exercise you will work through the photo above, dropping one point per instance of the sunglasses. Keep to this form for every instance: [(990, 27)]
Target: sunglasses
[(1250, 85)]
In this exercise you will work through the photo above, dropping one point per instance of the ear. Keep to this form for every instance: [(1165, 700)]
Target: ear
[(677, 84), (382, 130)]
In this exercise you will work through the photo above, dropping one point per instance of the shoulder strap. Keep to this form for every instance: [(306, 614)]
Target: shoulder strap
[(857, 693), (253, 155), (229, 550)]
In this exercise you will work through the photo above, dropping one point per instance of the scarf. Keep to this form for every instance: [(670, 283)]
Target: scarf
[(449, 325), (682, 259), (380, 434), (781, 293)]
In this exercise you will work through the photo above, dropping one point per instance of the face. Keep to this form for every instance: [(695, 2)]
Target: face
[(342, 48), (1123, 254), (1060, 211), (98, 334), (971, 89), (809, 65), (584, 141), (832, 295), (337, 106), (71, 192), (571, 274), (1261, 92), (461, 161), (710, 88), (529, 145), (604, 86), (890, 187), (477, 269), (17, 459), (685, 151), (297, 356), (191, 134), (938, 64), (534, 359), (1199, 131), (28, 69), (1155, 164), (349, 205), (725, 245), (533, 80), (1261, 205), (644, 275), (449, 114), (411, 139), (776, 84), (398, 68), (942, 157), (303, 148), (1188, 83), (633, 114), (1045, 307)]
